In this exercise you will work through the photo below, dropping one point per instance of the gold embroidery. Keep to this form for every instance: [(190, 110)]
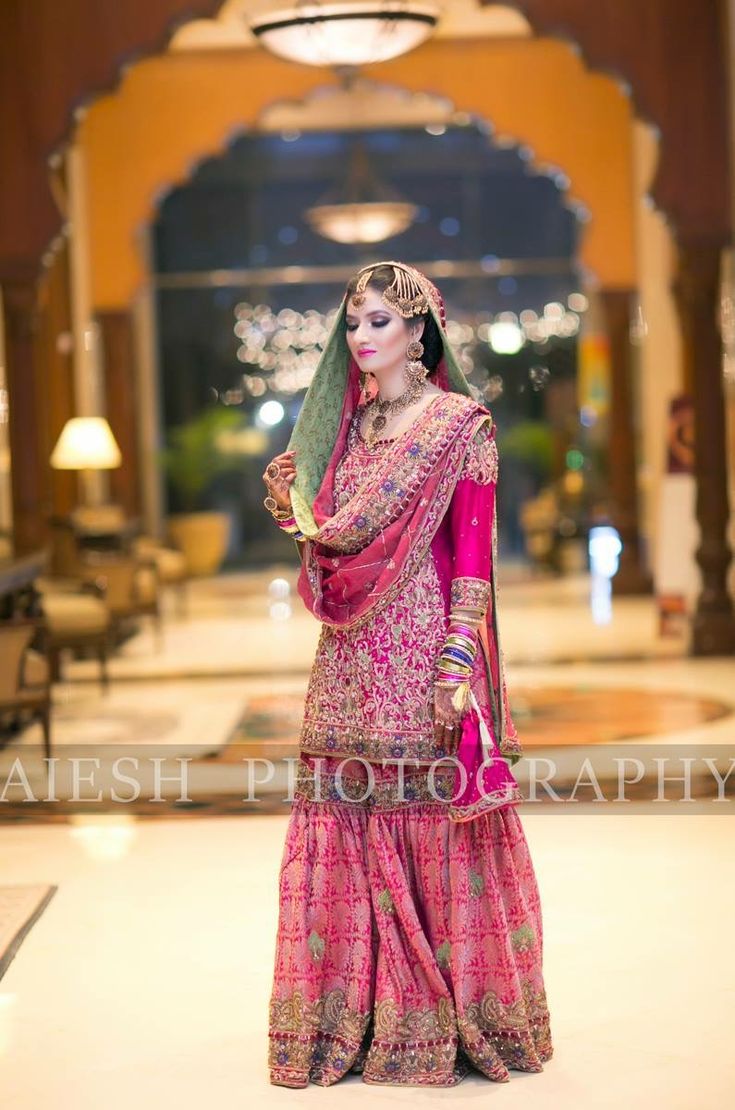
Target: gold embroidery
[(414, 1024), (323, 1040), (507, 793), (386, 1017), (471, 593), (419, 787), (517, 1035), (465, 417), (492, 1016), (391, 479), (481, 463), (317, 1041), (370, 691), (328, 1014)]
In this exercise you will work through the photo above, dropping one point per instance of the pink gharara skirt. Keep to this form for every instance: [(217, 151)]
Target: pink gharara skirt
[(409, 946)]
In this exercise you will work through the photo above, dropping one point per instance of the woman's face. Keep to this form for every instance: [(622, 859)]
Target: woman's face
[(377, 336)]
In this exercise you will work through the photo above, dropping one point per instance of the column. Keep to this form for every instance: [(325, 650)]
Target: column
[(632, 576), (696, 288)]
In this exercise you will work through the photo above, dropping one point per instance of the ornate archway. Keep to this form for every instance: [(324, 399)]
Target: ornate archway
[(540, 93), (642, 44)]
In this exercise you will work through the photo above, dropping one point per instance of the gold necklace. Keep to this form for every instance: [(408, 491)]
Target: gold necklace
[(379, 411)]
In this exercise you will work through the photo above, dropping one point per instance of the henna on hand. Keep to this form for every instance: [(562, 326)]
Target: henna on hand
[(280, 488)]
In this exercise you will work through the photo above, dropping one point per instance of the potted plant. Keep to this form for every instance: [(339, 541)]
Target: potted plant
[(193, 458)]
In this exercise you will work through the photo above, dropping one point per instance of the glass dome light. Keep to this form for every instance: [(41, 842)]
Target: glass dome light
[(362, 209), (347, 34), (361, 223)]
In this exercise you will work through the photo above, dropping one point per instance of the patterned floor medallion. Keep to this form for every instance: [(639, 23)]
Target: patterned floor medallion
[(547, 716)]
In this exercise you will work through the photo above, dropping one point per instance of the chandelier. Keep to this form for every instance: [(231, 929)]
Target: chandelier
[(363, 210), (347, 34)]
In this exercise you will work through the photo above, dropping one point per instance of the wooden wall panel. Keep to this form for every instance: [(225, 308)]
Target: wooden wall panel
[(54, 56), (673, 55), (120, 393)]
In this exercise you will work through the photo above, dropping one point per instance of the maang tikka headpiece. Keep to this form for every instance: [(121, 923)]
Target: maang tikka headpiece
[(407, 293)]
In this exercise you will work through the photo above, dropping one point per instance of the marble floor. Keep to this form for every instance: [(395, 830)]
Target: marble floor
[(146, 979), (241, 624)]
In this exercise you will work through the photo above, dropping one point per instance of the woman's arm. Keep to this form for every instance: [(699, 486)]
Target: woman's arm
[(471, 513), (471, 516)]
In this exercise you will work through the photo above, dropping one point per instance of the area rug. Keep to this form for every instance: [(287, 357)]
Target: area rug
[(20, 908), (545, 716), (269, 726)]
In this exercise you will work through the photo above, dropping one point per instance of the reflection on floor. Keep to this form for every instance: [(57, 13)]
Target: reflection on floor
[(230, 630), (229, 687)]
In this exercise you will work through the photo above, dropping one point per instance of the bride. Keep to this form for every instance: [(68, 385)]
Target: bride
[(409, 944)]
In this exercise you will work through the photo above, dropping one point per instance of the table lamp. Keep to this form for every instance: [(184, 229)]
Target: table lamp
[(86, 444)]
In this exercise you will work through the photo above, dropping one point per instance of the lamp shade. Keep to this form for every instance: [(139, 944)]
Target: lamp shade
[(86, 443)]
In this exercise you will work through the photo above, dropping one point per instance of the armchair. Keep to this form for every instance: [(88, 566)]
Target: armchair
[(131, 587), (76, 616), (24, 678)]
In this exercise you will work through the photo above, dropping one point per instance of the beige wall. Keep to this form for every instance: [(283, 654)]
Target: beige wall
[(659, 362)]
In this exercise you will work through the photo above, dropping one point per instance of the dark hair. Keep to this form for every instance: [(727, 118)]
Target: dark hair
[(380, 279)]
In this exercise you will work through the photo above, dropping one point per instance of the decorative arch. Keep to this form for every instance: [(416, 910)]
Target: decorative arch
[(540, 93), (672, 60)]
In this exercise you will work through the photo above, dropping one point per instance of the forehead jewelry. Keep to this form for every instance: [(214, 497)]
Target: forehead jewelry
[(358, 297), (406, 293)]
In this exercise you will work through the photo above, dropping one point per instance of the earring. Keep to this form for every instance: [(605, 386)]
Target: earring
[(414, 371)]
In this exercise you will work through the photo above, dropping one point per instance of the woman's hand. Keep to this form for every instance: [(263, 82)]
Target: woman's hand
[(447, 719), (279, 486)]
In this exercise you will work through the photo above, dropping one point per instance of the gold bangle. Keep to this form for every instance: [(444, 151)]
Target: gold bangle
[(272, 506)]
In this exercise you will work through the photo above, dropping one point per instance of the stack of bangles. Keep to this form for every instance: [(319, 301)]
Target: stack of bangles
[(284, 518), (457, 658)]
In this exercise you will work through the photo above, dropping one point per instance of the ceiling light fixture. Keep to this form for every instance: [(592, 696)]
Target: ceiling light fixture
[(352, 33), (363, 210)]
